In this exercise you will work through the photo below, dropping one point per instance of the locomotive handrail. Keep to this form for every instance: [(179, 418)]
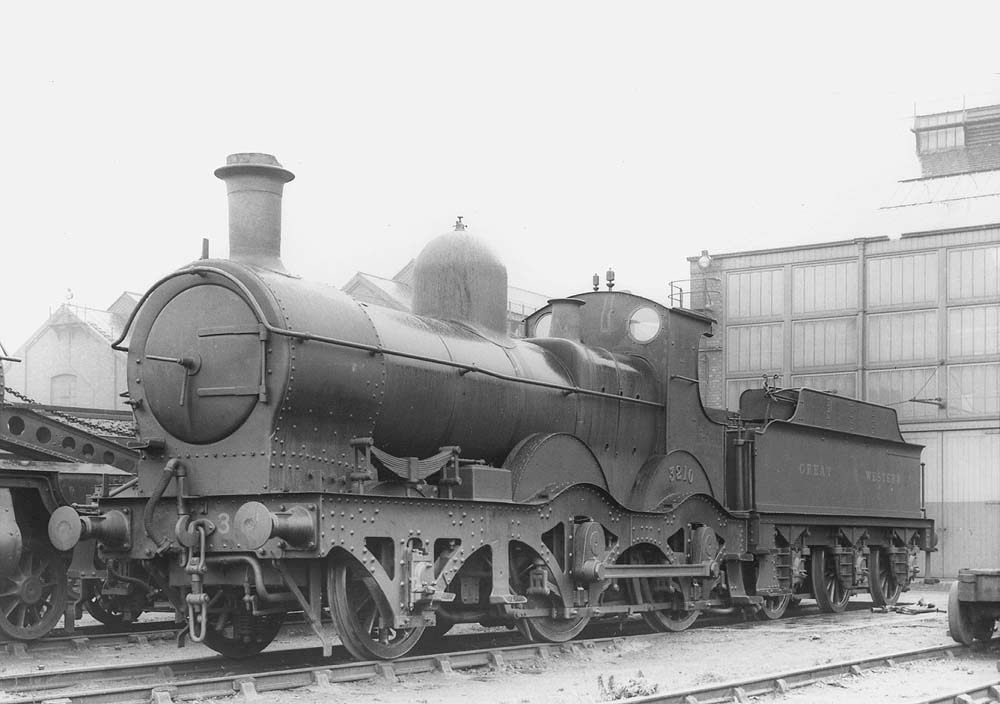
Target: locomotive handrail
[(371, 349)]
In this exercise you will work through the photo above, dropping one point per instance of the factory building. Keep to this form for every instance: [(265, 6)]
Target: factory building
[(910, 320), (68, 361)]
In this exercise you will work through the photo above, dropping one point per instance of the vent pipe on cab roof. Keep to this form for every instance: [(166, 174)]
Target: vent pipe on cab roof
[(254, 184), (566, 318)]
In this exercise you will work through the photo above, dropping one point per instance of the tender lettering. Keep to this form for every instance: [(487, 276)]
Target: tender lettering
[(883, 477), (808, 469)]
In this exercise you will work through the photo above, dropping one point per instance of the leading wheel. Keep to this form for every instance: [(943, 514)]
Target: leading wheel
[(653, 590), (882, 583), (550, 629), (109, 610), (964, 621), (362, 619), (33, 597), (235, 632), (829, 591)]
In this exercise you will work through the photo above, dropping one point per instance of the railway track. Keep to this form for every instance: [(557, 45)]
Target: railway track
[(168, 679), (785, 682), (216, 677), (143, 634), (984, 694), (89, 637)]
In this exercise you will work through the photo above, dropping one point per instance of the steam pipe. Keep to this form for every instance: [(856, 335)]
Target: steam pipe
[(171, 469), (258, 575)]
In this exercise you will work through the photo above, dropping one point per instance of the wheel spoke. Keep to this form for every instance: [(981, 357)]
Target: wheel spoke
[(8, 610), (358, 614), (368, 623)]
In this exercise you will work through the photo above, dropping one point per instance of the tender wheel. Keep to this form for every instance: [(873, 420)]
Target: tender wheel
[(830, 593), (362, 619), (235, 632), (774, 607), (964, 622), (33, 598), (660, 590), (549, 629), (882, 584)]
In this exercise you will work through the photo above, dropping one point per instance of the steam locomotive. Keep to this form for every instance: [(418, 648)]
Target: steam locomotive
[(411, 471)]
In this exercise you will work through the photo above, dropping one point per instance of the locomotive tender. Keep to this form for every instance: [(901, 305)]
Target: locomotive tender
[(414, 471)]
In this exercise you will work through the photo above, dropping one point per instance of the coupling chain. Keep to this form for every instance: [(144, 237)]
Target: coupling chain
[(114, 427), (197, 599)]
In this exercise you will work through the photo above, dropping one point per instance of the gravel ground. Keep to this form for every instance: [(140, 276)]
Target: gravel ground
[(665, 662)]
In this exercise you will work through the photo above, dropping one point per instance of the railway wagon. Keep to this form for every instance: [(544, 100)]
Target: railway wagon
[(974, 605), (411, 471), (50, 459)]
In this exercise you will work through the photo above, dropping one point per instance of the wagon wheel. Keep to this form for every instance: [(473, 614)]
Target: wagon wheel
[(829, 591), (549, 629), (362, 619), (33, 598), (235, 632), (882, 583), (651, 590), (965, 623)]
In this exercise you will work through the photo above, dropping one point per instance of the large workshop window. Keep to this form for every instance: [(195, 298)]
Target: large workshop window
[(947, 138), (63, 392)]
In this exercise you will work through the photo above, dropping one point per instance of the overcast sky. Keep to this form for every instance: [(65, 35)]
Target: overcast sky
[(574, 136)]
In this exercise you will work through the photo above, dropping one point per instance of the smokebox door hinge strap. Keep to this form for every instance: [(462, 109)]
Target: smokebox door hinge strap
[(263, 334)]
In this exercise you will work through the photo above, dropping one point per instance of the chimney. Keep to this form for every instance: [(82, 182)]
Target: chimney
[(254, 183), (566, 318)]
